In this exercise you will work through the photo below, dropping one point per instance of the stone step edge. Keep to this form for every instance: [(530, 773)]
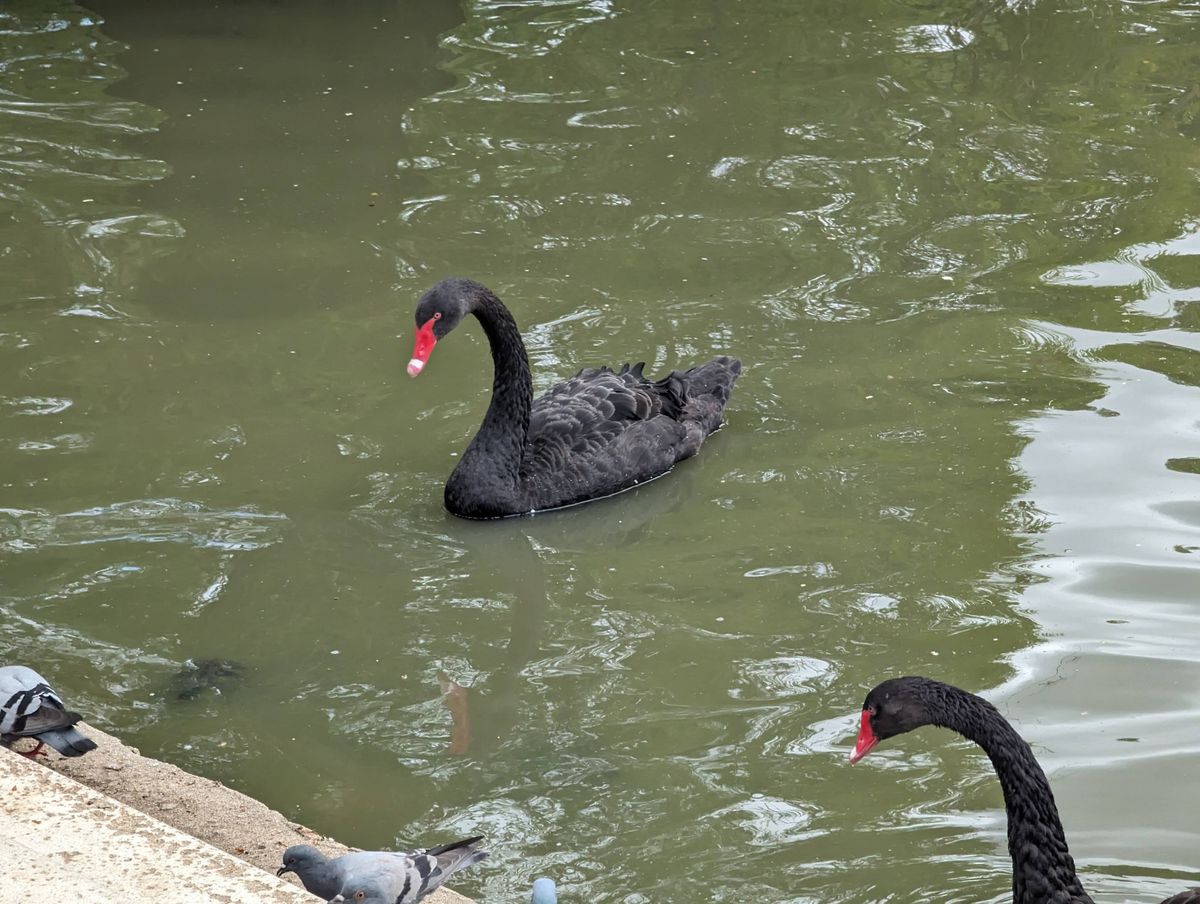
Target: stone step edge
[(115, 778)]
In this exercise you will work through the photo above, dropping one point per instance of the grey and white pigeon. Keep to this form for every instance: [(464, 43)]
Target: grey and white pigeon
[(544, 892), (379, 877), (29, 708)]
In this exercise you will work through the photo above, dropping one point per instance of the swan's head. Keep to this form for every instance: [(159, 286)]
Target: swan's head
[(893, 707), (439, 311)]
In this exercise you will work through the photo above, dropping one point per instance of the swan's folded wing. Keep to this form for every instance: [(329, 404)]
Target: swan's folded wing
[(590, 410)]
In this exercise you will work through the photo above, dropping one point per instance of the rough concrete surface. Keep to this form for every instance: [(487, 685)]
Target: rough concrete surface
[(67, 815), (65, 842)]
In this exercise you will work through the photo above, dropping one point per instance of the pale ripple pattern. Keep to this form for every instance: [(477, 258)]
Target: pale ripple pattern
[(141, 521), (65, 160), (947, 463)]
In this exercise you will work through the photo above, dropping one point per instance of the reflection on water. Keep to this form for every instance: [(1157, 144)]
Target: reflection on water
[(955, 248)]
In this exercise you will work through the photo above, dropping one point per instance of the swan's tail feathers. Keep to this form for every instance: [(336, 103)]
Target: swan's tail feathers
[(713, 378), (708, 388)]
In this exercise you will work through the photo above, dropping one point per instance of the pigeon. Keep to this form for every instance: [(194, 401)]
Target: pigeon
[(29, 708), (379, 877), (543, 892), (321, 875)]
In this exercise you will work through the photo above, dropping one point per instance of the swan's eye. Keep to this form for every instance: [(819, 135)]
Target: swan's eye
[(437, 316)]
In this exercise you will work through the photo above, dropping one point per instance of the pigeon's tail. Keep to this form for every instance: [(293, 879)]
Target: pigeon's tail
[(67, 741), (458, 855)]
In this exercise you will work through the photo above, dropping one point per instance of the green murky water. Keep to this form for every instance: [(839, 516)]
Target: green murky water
[(957, 247)]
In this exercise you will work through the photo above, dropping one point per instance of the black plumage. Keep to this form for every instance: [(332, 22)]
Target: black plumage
[(1191, 896), (1043, 870), (596, 434)]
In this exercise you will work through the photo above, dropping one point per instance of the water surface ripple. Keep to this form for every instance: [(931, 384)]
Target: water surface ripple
[(957, 248)]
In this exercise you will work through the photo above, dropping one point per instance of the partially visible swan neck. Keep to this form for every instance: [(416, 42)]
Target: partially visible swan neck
[(490, 468), (508, 351), (1043, 870), (512, 385)]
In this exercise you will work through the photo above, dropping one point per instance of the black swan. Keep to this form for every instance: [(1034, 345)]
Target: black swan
[(1043, 871), (591, 436)]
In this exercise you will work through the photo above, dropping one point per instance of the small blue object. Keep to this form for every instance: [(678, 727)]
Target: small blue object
[(544, 892)]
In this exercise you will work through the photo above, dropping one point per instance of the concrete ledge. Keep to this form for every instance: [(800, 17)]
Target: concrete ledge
[(114, 826), (65, 842)]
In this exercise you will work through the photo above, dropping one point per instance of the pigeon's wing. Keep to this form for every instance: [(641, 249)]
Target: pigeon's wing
[(28, 705), (437, 864), (391, 878)]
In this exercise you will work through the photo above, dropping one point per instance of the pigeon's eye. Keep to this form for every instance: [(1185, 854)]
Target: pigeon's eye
[(359, 895)]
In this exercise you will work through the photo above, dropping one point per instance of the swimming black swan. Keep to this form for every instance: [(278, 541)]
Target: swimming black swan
[(594, 435), (1043, 871)]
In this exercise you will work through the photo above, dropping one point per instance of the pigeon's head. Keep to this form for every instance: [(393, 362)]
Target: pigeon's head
[(300, 858), (363, 891)]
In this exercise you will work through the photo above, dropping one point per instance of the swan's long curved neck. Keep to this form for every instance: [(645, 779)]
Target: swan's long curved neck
[(493, 459), (1043, 870)]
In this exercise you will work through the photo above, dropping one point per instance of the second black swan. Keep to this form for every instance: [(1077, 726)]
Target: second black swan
[(1043, 871), (594, 435)]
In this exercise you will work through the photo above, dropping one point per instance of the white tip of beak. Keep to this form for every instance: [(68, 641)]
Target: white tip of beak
[(415, 366), (339, 897)]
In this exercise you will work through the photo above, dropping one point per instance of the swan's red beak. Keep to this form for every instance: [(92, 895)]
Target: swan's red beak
[(866, 738), (422, 346)]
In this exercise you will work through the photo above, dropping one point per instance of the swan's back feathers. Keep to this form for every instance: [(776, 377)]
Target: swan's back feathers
[(1191, 896), (633, 395), (603, 431)]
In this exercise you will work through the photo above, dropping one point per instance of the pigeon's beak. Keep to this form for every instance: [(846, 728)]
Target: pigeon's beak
[(336, 898), (282, 870)]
